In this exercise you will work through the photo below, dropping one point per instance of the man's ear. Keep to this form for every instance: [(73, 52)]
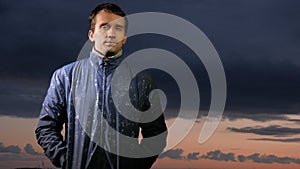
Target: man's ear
[(124, 40), (91, 35)]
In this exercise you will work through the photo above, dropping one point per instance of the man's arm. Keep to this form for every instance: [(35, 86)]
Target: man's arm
[(51, 120), (155, 130)]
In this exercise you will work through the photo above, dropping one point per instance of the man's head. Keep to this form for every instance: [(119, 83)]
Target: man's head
[(108, 28)]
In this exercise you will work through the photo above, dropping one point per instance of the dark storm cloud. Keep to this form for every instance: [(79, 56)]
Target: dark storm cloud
[(29, 150), (219, 156), (257, 116), (294, 120), (193, 156), (288, 140), (261, 63), (273, 130), (39, 37), (269, 159), (36, 39), (8, 157), (9, 149), (21, 157), (173, 154), (21, 97), (241, 158), (258, 43)]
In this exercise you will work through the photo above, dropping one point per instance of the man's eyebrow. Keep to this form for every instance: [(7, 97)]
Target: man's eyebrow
[(103, 24), (121, 26), (107, 23)]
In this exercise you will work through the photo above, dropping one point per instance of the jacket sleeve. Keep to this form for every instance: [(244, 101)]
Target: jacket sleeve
[(51, 120), (156, 129)]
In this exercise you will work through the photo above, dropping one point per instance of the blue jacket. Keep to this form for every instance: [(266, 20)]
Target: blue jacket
[(79, 98)]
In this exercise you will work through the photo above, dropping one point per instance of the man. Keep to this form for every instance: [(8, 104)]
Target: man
[(80, 97)]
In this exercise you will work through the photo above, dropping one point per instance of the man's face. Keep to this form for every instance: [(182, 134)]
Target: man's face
[(109, 34)]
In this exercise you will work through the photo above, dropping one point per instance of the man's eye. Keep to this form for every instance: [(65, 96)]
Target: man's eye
[(119, 28), (105, 27)]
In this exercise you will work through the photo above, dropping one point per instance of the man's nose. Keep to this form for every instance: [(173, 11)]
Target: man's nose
[(111, 33)]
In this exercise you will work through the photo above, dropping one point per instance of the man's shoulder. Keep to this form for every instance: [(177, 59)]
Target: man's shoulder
[(68, 68), (64, 74)]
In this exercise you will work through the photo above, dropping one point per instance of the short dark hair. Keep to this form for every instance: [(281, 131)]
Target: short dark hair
[(107, 7)]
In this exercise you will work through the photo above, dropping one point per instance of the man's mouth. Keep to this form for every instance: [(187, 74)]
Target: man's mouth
[(110, 43)]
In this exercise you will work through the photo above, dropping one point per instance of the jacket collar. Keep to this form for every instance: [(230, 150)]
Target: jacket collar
[(98, 60), (102, 56)]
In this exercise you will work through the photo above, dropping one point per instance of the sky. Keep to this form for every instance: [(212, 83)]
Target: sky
[(258, 43)]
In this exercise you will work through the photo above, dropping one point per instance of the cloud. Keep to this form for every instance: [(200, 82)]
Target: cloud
[(10, 149), (257, 115), (289, 140), (21, 97), (8, 157), (261, 34), (258, 158), (29, 150), (193, 156), (267, 159), (273, 130), (33, 41), (20, 157), (294, 120), (219, 156), (241, 158), (173, 154)]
